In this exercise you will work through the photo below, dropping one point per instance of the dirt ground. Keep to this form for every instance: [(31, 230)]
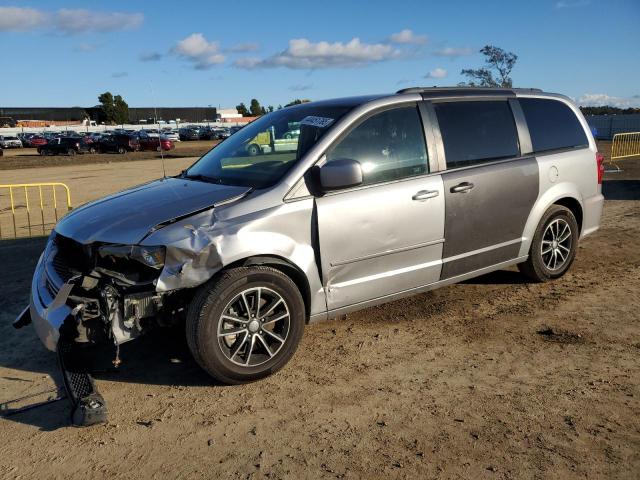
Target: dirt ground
[(493, 378)]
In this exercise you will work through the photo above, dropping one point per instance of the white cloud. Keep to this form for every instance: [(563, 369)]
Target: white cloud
[(81, 20), (303, 54), (198, 50), (436, 73), (602, 99), (407, 37), (244, 47), (453, 52), (67, 20), (572, 3), (16, 19)]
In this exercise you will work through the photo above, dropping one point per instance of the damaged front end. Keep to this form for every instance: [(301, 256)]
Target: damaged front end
[(99, 293)]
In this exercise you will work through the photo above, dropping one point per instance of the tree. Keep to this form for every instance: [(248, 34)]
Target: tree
[(114, 109), (121, 110), (297, 101), (608, 110), (270, 108), (499, 62), (108, 109), (242, 110), (255, 108)]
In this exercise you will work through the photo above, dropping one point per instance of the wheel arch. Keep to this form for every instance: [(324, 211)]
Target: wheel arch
[(575, 207), (565, 194), (288, 268)]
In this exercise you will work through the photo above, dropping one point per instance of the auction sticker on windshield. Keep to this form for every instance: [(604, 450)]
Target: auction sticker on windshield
[(320, 122)]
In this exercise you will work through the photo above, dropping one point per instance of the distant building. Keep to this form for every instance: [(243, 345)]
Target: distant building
[(231, 115), (228, 115)]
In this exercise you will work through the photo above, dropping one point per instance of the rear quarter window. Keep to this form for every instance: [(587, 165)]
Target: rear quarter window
[(552, 125)]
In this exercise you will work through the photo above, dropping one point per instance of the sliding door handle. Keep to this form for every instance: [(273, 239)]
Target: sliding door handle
[(462, 187), (425, 194)]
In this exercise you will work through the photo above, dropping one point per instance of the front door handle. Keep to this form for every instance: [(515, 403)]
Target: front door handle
[(425, 194), (462, 187)]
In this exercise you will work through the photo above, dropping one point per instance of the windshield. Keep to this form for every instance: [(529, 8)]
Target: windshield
[(260, 154)]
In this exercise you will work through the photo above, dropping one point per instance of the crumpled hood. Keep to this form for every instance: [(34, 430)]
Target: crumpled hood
[(128, 216)]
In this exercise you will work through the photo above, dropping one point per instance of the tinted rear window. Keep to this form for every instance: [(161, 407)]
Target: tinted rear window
[(477, 132), (552, 125)]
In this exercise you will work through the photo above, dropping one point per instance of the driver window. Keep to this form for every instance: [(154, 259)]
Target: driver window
[(389, 146)]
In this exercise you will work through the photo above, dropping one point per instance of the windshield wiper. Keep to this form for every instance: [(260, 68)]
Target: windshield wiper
[(202, 178)]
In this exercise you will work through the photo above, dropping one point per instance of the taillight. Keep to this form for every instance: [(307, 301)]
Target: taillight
[(600, 163)]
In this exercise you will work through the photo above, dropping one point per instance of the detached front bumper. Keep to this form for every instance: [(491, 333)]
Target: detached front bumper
[(48, 306)]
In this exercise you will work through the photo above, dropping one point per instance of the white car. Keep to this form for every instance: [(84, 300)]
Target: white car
[(10, 142), (171, 135)]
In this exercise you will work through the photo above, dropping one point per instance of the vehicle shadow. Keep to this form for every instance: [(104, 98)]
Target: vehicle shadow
[(621, 189), (499, 277)]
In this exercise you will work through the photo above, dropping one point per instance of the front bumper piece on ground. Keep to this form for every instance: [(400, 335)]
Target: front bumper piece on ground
[(87, 405), (48, 313)]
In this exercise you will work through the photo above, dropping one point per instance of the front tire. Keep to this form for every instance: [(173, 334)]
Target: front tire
[(245, 324), (554, 245), (253, 150)]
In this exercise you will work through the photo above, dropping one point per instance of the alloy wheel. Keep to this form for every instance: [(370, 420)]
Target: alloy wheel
[(253, 326), (556, 244)]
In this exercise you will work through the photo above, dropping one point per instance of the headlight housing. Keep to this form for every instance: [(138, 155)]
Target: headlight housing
[(150, 256)]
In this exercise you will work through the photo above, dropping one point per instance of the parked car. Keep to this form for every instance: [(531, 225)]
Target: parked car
[(118, 143), (171, 135), (221, 133), (151, 132), (292, 133), (37, 141), (66, 145), (10, 142), (189, 134), (152, 143), (385, 196)]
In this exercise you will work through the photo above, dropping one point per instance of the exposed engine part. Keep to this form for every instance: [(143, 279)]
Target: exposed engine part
[(121, 330), (138, 306)]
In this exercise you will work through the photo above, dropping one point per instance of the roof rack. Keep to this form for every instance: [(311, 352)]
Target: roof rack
[(464, 91)]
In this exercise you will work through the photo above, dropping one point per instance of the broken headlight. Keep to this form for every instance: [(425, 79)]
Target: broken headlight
[(150, 256)]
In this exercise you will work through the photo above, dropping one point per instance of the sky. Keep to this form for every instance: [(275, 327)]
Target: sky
[(201, 53)]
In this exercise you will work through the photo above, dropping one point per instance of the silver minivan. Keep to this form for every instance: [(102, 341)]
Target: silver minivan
[(376, 198)]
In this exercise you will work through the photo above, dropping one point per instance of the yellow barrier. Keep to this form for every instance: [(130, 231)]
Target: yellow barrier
[(624, 145), (20, 201)]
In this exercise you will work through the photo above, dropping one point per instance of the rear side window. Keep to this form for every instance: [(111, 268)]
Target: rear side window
[(477, 132), (552, 125)]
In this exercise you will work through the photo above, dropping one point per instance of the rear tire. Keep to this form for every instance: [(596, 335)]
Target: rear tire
[(71, 152), (553, 247), (122, 150), (232, 302)]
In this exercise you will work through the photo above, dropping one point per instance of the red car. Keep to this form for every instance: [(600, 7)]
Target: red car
[(38, 141), (151, 143)]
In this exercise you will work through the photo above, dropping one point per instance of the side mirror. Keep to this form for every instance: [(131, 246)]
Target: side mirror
[(340, 173)]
